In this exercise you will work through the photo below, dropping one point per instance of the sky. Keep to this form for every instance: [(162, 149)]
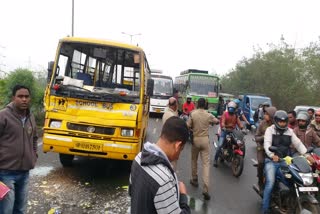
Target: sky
[(176, 35)]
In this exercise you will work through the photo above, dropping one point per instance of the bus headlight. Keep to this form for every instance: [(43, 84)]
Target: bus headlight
[(127, 132), (55, 124)]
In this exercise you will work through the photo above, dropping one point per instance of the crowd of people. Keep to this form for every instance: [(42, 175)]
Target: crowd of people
[(291, 133), (154, 168)]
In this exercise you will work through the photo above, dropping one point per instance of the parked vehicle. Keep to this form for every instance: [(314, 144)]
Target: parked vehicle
[(233, 151), (250, 104), (294, 190), (97, 100)]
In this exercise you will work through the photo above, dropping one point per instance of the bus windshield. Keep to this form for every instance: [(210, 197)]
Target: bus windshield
[(162, 86), (202, 85)]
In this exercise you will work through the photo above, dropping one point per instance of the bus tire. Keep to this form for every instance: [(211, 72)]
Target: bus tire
[(66, 160)]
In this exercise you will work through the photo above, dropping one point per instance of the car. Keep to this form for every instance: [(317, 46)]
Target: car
[(304, 108)]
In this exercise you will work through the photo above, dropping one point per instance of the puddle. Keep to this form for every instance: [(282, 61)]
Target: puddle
[(41, 171)]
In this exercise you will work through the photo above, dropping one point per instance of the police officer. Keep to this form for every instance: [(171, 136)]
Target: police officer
[(199, 122)]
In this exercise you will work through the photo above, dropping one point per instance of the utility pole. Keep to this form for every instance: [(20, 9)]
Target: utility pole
[(72, 30)]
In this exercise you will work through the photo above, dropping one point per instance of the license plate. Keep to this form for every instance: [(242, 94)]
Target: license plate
[(88, 146), (308, 189)]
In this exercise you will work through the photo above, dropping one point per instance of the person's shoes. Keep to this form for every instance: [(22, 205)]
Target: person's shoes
[(215, 163), (194, 183), (206, 196)]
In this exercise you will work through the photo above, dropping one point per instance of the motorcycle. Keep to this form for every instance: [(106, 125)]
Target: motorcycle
[(315, 153), (185, 117), (293, 191), (233, 151)]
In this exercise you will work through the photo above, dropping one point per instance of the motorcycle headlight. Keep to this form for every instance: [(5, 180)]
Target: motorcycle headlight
[(307, 178)]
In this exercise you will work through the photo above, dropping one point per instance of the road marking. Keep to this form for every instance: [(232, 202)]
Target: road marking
[(157, 120), (154, 130)]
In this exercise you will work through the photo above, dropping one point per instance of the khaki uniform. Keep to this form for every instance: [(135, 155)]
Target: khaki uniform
[(167, 114), (199, 121)]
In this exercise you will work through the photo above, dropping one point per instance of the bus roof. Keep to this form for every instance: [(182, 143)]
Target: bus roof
[(160, 76), (189, 71), (100, 42)]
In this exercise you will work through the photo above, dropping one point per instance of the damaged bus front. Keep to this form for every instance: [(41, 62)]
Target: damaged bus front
[(97, 100)]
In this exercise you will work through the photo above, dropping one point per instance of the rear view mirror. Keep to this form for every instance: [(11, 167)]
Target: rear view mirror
[(50, 69), (150, 86)]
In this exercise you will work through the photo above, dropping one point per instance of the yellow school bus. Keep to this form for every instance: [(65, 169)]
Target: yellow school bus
[(97, 100)]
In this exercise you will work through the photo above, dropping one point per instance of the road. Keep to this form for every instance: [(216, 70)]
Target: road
[(100, 186)]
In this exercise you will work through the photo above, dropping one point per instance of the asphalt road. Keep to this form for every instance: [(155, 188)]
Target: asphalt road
[(100, 186)]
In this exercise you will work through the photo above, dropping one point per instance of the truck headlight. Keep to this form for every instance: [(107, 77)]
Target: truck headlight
[(127, 132), (55, 124)]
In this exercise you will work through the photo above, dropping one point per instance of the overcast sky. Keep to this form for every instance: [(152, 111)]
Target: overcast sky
[(175, 34)]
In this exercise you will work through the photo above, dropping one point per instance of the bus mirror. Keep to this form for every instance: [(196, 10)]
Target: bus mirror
[(50, 69), (150, 86)]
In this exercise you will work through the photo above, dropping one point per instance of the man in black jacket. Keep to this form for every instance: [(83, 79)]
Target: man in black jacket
[(18, 150), (154, 187)]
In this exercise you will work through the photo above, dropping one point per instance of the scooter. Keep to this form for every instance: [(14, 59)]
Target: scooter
[(233, 151), (294, 190)]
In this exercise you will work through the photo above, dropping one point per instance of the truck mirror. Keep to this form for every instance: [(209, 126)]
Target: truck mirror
[(150, 86), (50, 69)]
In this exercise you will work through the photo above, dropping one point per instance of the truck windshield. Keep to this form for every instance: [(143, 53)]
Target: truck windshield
[(93, 71), (255, 102)]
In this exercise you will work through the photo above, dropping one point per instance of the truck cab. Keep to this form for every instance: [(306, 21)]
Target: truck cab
[(250, 103)]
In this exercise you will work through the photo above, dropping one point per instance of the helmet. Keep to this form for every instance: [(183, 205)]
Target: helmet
[(266, 104), (237, 101), (232, 107), (271, 111), (305, 117), (280, 115)]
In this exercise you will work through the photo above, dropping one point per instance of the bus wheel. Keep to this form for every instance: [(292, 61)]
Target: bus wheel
[(66, 160)]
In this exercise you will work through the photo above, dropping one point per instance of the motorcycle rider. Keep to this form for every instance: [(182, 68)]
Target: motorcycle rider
[(229, 121), (306, 134), (259, 138), (240, 112), (281, 136), (188, 106), (315, 124)]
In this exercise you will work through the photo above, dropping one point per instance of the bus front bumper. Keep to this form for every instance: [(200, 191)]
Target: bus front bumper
[(90, 147)]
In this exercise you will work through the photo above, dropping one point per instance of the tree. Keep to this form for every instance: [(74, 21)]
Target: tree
[(35, 84), (289, 76)]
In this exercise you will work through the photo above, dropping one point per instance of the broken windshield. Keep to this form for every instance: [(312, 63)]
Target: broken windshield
[(98, 72)]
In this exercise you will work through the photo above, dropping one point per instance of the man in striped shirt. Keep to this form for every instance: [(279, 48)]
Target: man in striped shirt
[(154, 187)]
